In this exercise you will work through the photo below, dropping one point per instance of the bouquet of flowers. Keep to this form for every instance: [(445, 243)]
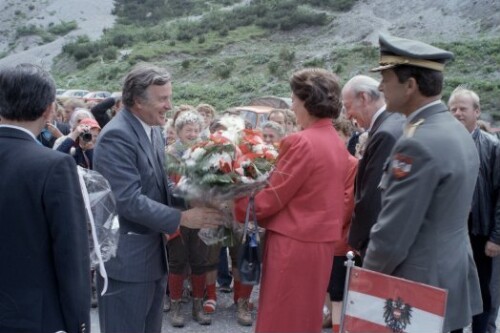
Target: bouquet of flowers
[(231, 163)]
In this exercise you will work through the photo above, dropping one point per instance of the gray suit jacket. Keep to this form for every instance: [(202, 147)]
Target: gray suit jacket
[(386, 130), (125, 157), (421, 233)]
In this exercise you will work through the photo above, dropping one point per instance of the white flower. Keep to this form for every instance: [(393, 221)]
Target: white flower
[(247, 180), (258, 149), (215, 159), (233, 123), (273, 152), (190, 163), (186, 155), (198, 153), (234, 126)]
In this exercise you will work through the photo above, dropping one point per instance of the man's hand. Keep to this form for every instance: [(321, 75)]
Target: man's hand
[(492, 249), (201, 217)]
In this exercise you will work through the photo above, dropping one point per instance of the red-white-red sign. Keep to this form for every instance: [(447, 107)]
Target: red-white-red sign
[(381, 303)]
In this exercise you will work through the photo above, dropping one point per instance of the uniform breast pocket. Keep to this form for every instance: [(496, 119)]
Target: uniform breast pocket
[(384, 181)]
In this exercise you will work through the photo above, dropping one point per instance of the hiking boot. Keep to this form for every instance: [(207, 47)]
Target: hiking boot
[(244, 317), (327, 318), (198, 313), (176, 317)]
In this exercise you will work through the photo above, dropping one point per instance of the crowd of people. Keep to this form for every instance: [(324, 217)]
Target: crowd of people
[(382, 168)]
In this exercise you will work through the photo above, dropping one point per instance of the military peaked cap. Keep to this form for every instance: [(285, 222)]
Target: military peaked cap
[(395, 51)]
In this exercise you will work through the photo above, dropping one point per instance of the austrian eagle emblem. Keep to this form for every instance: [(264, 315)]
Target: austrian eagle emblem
[(397, 314)]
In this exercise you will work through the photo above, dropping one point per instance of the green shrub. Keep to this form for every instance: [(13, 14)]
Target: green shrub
[(316, 62), (273, 67), (185, 64), (121, 39), (63, 28), (110, 53), (27, 30), (84, 63), (287, 55), (223, 70), (81, 53)]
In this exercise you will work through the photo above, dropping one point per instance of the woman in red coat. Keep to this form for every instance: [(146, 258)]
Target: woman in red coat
[(302, 209)]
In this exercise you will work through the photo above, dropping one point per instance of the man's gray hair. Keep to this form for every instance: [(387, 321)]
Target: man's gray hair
[(139, 79), (366, 84)]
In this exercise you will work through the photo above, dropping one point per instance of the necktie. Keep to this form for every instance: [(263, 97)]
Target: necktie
[(153, 139)]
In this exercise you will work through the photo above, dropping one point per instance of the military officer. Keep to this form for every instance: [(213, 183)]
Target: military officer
[(428, 182)]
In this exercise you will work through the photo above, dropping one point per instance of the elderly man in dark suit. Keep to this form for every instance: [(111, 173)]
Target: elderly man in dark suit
[(364, 103), (45, 279), (428, 183), (130, 154)]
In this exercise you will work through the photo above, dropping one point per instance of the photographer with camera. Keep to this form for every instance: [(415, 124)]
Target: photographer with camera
[(81, 141)]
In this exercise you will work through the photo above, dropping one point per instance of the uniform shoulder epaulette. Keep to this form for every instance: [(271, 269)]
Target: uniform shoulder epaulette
[(411, 128)]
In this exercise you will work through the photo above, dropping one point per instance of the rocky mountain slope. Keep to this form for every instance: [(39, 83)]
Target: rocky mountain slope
[(91, 17), (430, 20)]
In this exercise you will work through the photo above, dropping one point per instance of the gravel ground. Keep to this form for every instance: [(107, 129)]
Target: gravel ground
[(223, 320)]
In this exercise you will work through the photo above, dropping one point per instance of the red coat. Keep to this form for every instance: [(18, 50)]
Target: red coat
[(302, 209), (341, 247), (305, 196)]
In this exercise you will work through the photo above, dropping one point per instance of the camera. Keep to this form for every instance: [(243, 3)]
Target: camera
[(86, 136)]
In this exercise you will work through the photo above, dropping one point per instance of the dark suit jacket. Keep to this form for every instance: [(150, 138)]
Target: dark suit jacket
[(386, 130), (44, 248), (125, 157)]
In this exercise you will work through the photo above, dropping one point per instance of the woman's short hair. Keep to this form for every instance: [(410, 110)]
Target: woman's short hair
[(73, 103), (78, 115), (275, 127), (216, 125), (169, 124), (180, 109), (344, 126), (320, 91), (188, 117), (206, 108), (290, 117)]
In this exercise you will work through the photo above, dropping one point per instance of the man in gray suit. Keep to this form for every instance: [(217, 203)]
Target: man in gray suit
[(364, 103), (428, 182), (130, 155)]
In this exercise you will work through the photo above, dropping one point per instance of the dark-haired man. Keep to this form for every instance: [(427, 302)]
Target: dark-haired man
[(45, 279), (428, 182)]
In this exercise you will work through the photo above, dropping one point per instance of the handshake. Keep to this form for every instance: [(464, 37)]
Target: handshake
[(202, 217)]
